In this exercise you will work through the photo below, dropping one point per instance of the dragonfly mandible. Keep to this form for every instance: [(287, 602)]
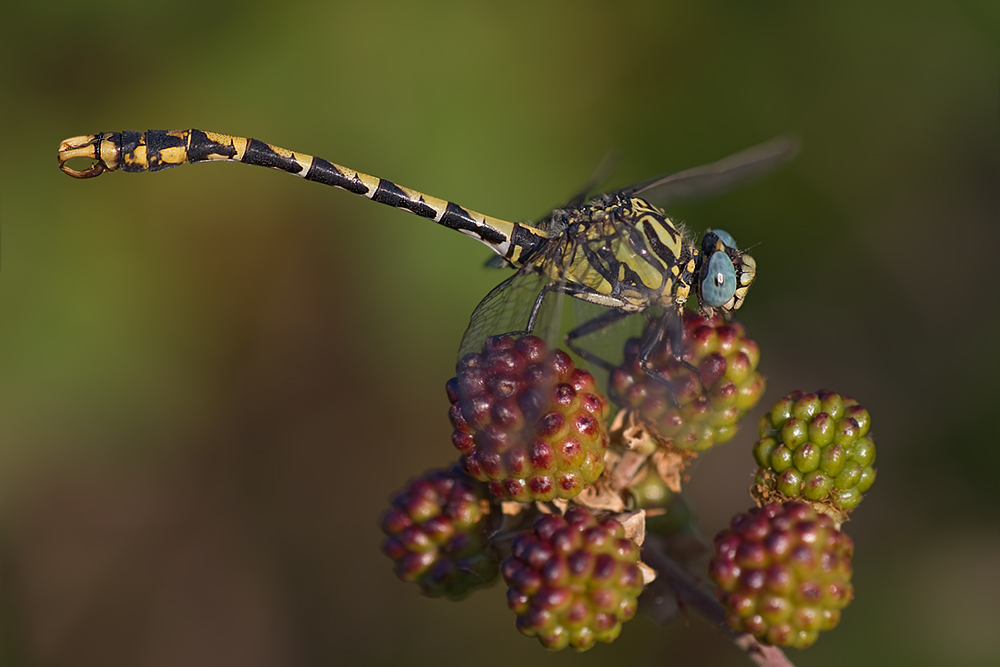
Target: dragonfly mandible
[(616, 250)]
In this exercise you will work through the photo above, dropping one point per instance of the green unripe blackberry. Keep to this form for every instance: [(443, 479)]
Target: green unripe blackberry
[(650, 492), (783, 573), (697, 410), (437, 532), (573, 580), (816, 447), (527, 421)]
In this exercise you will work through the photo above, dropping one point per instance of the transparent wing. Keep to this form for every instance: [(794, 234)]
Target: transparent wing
[(509, 305), (717, 177), (497, 262), (505, 309), (608, 165), (608, 342)]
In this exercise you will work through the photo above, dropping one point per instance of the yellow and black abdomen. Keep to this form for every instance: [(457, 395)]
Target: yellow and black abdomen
[(155, 150)]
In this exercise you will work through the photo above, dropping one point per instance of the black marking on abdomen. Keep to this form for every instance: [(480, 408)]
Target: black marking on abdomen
[(156, 142), (456, 217), (131, 139), (261, 154), (325, 172), (201, 148), (529, 243), (389, 193)]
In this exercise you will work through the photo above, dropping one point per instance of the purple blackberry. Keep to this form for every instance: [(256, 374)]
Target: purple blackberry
[(783, 573), (696, 411), (573, 580), (816, 447), (437, 534), (527, 421)]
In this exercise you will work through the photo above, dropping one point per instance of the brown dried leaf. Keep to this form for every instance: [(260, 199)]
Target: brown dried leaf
[(619, 421), (600, 496), (511, 507), (560, 504), (635, 525), (629, 433), (627, 470), (670, 464), (648, 573)]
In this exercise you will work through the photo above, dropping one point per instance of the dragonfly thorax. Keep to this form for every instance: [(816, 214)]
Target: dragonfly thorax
[(619, 251)]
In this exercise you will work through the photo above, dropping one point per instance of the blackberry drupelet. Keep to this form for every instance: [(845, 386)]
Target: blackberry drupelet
[(527, 421)]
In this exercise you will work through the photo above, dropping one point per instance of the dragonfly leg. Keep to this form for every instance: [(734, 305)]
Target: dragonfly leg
[(573, 290), (672, 327), (594, 325), (591, 326), (537, 307)]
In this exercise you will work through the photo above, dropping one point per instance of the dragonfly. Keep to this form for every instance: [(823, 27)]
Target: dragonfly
[(617, 251)]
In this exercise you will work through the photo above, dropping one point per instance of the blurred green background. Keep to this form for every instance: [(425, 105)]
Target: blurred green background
[(211, 379)]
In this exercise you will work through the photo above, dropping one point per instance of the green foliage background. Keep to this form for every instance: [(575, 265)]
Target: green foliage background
[(212, 378)]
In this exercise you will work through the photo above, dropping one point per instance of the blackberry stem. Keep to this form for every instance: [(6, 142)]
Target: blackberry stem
[(689, 592)]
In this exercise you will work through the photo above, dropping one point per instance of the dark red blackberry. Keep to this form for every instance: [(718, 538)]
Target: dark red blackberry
[(695, 410), (527, 421), (573, 580), (783, 573), (437, 534)]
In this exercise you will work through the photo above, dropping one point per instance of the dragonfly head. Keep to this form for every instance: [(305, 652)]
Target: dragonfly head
[(724, 273)]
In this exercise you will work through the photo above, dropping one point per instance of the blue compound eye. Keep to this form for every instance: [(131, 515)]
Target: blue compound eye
[(719, 284), (725, 237)]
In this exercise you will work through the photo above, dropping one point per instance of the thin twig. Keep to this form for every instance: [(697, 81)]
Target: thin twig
[(697, 598)]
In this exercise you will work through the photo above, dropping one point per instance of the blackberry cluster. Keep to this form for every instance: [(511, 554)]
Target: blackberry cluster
[(573, 580), (437, 534), (695, 410), (527, 421), (783, 572), (817, 447)]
